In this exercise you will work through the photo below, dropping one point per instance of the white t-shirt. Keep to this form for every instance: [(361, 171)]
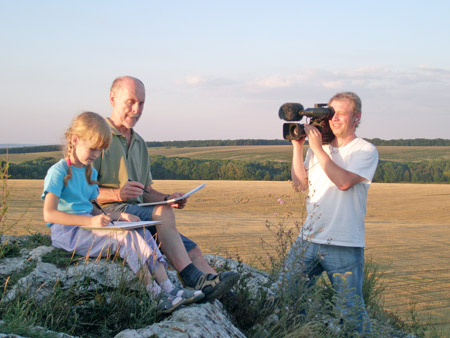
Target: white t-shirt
[(336, 217)]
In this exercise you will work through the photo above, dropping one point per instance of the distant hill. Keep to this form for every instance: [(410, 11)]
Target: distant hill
[(20, 149), (13, 145), (30, 149), (251, 142), (418, 142)]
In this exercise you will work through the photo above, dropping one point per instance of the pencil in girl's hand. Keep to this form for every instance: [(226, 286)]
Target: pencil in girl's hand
[(101, 209)]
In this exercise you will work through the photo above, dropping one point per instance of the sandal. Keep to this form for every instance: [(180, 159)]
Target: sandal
[(167, 304), (215, 285), (189, 296)]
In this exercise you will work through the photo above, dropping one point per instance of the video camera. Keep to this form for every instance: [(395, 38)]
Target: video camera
[(319, 116)]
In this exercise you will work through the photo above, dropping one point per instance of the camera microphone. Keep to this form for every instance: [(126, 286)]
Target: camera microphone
[(291, 112)]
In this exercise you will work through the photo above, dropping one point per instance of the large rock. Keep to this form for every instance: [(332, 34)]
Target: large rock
[(196, 320), (38, 332), (40, 281)]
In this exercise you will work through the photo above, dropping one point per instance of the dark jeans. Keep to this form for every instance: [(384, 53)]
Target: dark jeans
[(344, 267)]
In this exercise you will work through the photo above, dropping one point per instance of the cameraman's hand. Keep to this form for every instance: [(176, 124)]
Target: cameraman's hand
[(298, 144), (314, 137)]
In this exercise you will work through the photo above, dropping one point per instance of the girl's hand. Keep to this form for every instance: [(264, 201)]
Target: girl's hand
[(100, 220), (128, 217)]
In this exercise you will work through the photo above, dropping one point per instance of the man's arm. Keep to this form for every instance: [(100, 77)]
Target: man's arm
[(298, 171), (343, 179), (130, 190), (154, 195)]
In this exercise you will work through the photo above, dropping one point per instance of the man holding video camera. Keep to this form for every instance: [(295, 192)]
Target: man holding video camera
[(338, 176), (125, 181)]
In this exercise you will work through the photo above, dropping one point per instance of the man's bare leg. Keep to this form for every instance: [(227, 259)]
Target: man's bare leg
[(199, 261), (209, 282), (168, 236)]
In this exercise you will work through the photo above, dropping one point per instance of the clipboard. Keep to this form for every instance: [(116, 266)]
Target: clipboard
[(121, 226), (193, 191)]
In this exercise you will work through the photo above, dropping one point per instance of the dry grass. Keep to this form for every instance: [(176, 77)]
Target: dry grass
[(283, 153), (408, 231)]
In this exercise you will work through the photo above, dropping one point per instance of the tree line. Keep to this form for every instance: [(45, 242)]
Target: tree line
[(217, 143), (34, 169), (417, 142), (30, 149), (239, 142), (181, 168), (437, 171)]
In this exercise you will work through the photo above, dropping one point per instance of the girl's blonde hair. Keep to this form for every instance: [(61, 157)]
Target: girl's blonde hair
[(91, 128)]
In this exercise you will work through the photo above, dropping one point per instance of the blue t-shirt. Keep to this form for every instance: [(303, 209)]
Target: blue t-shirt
[(75, 198)]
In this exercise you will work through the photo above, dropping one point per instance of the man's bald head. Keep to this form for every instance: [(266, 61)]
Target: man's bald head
[(121, 80)]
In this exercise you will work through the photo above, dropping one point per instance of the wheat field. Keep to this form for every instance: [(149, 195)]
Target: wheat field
[(282, 153), (407, 231)]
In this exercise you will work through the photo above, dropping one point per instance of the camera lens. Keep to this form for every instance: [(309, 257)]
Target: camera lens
[(294, 130)]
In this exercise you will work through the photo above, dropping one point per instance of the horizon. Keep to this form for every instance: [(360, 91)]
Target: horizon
[(222, 70), (6, 145)]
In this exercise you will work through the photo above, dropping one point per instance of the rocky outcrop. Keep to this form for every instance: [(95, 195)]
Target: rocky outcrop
[(197, 320), (208, 319), (27, 271)]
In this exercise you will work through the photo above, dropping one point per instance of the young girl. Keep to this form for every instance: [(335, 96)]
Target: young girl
[(69, 188)]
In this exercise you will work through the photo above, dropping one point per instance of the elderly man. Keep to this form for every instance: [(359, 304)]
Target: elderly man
[(338, 176), (125, 180)]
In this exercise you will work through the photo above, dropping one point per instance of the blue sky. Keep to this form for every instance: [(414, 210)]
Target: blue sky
[(221, 69)]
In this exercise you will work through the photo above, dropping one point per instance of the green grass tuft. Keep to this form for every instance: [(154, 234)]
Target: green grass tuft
[(60, 258), (8, 250), (82, 309), (36, 240)]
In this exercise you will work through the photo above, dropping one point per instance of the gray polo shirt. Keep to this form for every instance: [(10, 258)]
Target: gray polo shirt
[(119, 163)]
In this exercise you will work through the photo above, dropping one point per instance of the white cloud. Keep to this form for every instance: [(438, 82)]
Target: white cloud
[(274, 81), (332, 84), (204, 81), (382, 79), (192, 80)]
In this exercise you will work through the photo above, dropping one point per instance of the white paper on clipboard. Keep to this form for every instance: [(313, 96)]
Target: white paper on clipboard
[(193, 191), (117, 226)]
